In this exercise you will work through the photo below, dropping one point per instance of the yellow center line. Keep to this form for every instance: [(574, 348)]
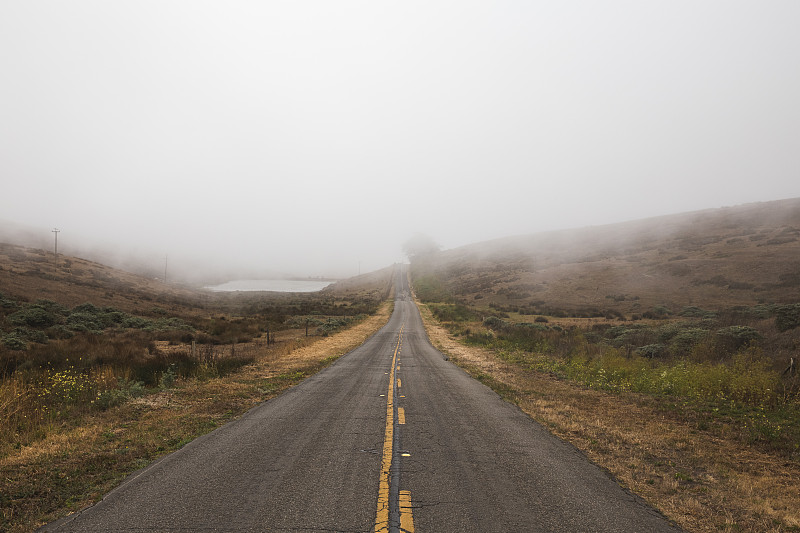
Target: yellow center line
[(406, 517), (401, 415), (382, 516)]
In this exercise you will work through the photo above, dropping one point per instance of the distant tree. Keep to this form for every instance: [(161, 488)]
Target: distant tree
[(420, 246)]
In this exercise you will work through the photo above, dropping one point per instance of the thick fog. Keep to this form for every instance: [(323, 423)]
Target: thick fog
[(314, 138)]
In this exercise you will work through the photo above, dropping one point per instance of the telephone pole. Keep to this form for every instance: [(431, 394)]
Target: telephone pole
[(56, 231)]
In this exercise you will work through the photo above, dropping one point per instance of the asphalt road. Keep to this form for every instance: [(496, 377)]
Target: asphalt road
[(391, 437)]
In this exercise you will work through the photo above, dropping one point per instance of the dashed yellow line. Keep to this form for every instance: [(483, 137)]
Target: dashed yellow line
[(401, 415)]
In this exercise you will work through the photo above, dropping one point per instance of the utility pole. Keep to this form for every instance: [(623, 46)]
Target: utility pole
[(166, 257), (56, 231)]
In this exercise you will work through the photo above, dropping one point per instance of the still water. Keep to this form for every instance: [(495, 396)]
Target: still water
[(277, 285)]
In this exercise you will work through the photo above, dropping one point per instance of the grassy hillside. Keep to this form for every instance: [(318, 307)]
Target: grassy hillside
[(745, 255), (29, 274)]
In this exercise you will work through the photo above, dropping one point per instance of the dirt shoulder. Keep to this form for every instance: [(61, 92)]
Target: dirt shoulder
[(693, 476), (76, 465)]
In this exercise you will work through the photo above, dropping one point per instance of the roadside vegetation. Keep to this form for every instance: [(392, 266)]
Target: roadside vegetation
[(725, 374), (58, 363), (91, 392)]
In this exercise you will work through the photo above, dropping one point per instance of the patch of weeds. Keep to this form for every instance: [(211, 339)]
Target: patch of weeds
[(291, 376), (114, 397), (168, 377), (451, 312), (508, 393), (430, 288)]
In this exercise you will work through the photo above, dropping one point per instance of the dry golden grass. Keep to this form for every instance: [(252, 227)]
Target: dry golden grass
[(30, 274), (76, 464), (697, 478)]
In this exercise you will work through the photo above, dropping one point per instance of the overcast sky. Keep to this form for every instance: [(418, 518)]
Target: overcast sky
[(308, 136)]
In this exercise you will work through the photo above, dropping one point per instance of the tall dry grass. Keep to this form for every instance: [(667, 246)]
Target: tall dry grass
[(38, 400)]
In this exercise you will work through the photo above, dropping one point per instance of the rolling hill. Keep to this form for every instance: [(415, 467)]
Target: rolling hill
[(719, 258)]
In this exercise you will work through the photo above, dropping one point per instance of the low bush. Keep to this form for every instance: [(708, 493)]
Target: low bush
[(685, 339), (13, 341), (651, 351), (34, 316), (733, 338), (787, 317), (117, 396)]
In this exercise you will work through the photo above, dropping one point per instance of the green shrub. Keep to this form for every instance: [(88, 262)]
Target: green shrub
[(7, 303), (86, 308), (13, 341), (19, 337), (666, 332), (136, 322), (35, 317), (167, 378), (495, 323), (111, 398), (686, 339), (32, 335), (114, 397), (734, 337), (329, 325), (629, 335), (89, 317), (83, 321), (52, 307), (787, 317), (651, 351)]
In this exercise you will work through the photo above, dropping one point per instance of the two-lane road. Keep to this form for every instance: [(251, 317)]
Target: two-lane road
[(389, 438)]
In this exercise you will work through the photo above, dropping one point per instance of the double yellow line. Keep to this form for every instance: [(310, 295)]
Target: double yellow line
[(384, 485)]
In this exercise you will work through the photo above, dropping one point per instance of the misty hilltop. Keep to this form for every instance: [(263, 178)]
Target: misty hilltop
[(743, 255), (31, 274)]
